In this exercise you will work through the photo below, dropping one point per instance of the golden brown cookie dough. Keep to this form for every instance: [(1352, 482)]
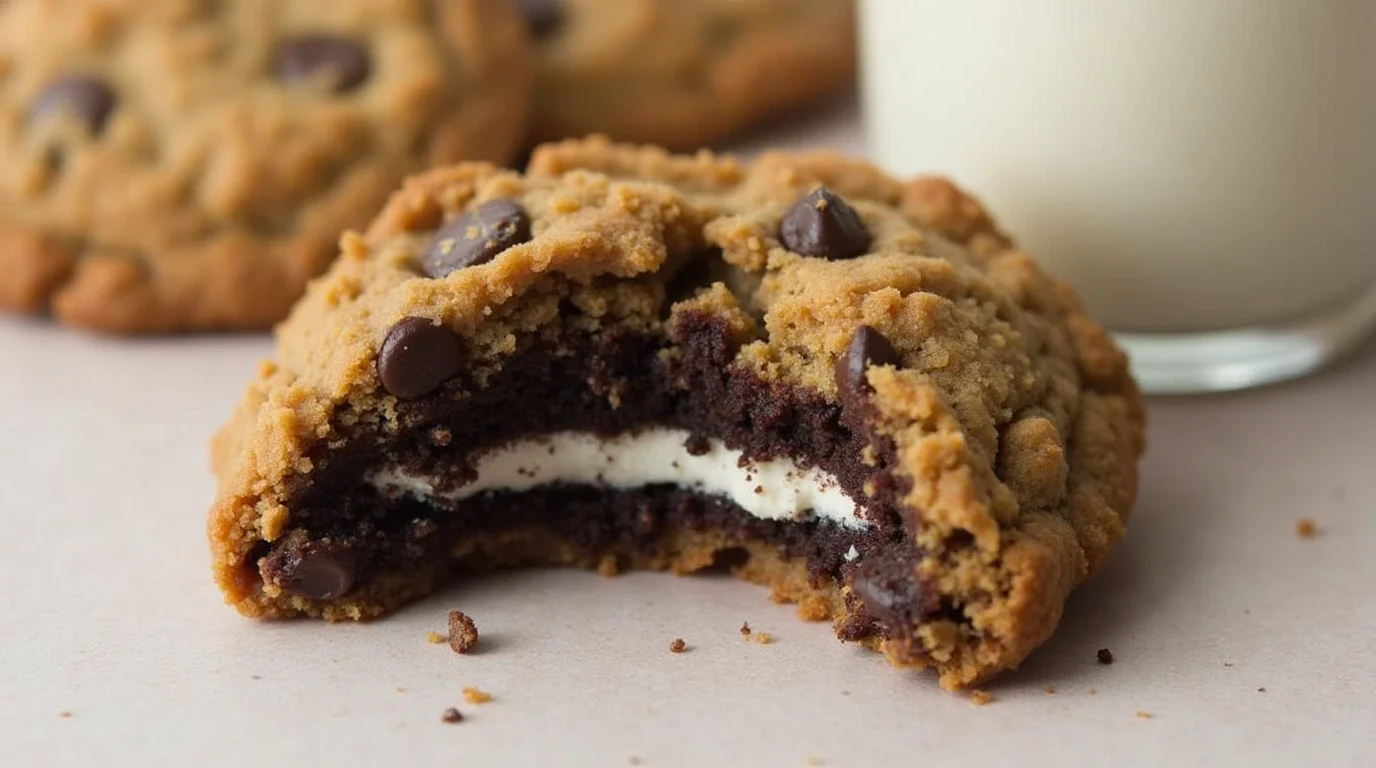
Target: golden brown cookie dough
[(173, 165), (684, 73), (797, 307)]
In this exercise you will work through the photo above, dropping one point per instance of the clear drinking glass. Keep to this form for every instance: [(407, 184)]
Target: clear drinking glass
[(1202, 170)]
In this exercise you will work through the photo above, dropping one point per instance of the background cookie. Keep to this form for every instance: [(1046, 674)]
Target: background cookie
[(683, 73), (176, 165)]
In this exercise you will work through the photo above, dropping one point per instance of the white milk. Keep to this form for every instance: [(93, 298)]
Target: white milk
[(1190, 165)]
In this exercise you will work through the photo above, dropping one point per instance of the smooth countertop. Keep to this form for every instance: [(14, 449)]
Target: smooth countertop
[(1236, 641)]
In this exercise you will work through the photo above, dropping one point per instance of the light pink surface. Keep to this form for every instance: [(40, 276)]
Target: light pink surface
[(107, 611)]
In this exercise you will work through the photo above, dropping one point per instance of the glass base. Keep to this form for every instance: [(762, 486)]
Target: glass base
[(1182, 363)]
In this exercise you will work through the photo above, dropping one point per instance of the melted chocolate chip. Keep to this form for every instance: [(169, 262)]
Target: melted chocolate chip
[(343, 61), (476, 237), (79, 97), (542, 16), (867, 347), (321, 570), (417, 357), (822, 224), (889, 586)]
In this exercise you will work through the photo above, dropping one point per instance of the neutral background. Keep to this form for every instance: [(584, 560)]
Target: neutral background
[(1237, 642)]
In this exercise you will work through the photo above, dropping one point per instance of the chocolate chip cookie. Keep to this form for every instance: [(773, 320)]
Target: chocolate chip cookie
[(171, 165), (855, 391), (683, 73)]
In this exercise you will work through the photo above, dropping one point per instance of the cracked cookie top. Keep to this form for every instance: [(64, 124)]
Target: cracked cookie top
[(188, 164)]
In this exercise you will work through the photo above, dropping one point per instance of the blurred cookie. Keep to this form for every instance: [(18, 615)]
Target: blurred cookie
[(172, 165), (683, 73)]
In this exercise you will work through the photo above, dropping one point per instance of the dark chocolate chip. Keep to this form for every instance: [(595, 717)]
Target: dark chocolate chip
[(867, 347), (322, 570), (345, 62), (542, 16), (889, 587), (1104, 655), (416, 357), (476, 237), (452, 715), (822, 224), (79, 97)]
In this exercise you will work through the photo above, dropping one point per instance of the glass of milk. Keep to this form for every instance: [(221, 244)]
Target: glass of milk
[(1203, 171)]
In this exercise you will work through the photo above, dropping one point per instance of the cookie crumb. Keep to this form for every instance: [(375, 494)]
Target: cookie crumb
[(401, 689), (476, 695), (256, 677), (813, 761), (434, 638), (608, 567), (745, 629), (845, 693), (1104, 655), (814, 608), (764, 638), (1142, 714), (1227, 663), (678, 646), (980, 698), (463, 633), (452, 715), (64, 714), (1305, 528), (1261, 690), (634, 760), (1050, 689), (1093, 691)]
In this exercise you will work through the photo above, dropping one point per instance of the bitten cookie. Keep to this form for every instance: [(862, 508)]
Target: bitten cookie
[(633, 358), (683, 73), (173, 165)]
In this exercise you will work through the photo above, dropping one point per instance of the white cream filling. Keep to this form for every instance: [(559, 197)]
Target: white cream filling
[(777, 489)]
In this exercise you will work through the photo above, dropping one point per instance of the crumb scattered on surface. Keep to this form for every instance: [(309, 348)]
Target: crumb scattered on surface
[(745, 629), (65, 713), (635, 760), (452, 715), (608, 566), (1261, 690), (476, 695), (1143, 714), (980, 698), (434, 638), (764, 638), (814, 608), (812, 760), (845, 693), (1093, 691), (1305, 528), (1104, 655), (463, 633), (1227, 663), (256, 677), (678, 646), (1050, 689), (401, 689)]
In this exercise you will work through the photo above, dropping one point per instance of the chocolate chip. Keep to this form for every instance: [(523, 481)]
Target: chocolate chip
[(476, 237), (305, 58), (416, 357), (1104, 655), (542, 16), (889, 587), (822, 224), (867, 347), (321, 570), (452, 715), (79, 97)]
